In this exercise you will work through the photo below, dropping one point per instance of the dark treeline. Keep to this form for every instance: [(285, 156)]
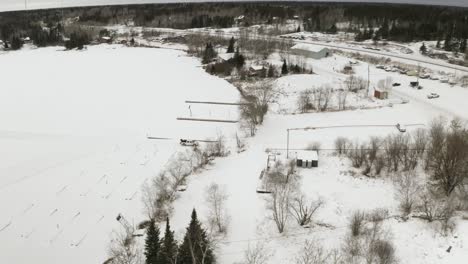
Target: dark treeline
[(370, 21)]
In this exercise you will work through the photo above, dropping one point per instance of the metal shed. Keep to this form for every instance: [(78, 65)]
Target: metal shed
[(310, 51), (307, 159)]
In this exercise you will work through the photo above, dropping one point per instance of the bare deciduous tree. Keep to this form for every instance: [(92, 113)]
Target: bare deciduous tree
[(341, 97), (255, 108), (303, 210), (279, 205), (448, 155), (407, 189), (357, 223), (304, 101), (341, 145), (216, 198), (123, 249)]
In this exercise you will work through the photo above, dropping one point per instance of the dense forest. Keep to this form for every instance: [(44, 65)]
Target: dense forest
[(368, 21)]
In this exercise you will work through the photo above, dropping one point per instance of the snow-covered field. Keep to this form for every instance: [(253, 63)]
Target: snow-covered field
[(73, 142), (75, 154)]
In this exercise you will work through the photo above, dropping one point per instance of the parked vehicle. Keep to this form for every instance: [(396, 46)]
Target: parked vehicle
[(432, 96), (401, 127), (434, 77), (424, 75), (187, 142), (380, 66), (414, 84), (444, 80), (396, 84)]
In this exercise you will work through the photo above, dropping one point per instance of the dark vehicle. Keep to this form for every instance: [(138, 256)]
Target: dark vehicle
[(186, 142)]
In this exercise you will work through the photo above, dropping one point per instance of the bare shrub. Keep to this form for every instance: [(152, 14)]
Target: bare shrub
[(407, 191), (240, 143), (316, 145), (218, 147), (341, 98), (279, 206), (379, 164), (393, 148), (420, 139), (303, 210), (357, 223), (355, 84), (304, 101), (357, 154), (216, 198), (434, 207), (377, 215), (256, 254), (371, 154), (352, 249), (383, 251), (312, 253), (341, 145), (123, 249)]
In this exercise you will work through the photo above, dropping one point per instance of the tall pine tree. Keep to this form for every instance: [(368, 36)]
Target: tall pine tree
[(152, 244), (195, 248), (230, 48), (168, 252), (284, 69)]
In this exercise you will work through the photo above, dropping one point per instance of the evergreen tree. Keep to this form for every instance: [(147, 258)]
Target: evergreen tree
[(333, 29), (168, 252), (438, 44), (209, 53), (271, 72), (284, 68), (384, 30), (195, 248), (238, 59), (298, 29), (463, 45), (16, 42), (230, 48), (152, 244), (448, 40), (423, 49)]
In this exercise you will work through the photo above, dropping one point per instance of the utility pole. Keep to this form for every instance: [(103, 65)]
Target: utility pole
[(368, 79), (287, 144), (419, 70), (25, 4)]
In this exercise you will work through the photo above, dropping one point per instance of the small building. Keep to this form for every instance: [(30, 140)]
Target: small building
[(256, 70), (380, 94), (307, 159), (310, 51), (223, 57)]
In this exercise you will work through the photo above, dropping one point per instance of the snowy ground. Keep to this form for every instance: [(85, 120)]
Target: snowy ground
[(73, 142), (75, 153)]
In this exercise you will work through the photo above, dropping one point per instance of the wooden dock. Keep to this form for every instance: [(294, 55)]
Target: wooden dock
[(207, 120), (214, 103)]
